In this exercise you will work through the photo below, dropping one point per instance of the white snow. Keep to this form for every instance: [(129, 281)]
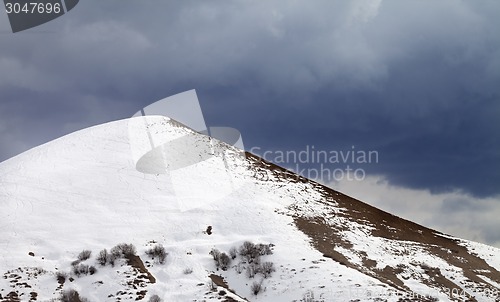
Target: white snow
[(83, 191)]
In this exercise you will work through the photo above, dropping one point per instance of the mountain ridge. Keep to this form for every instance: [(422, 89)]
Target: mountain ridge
[(411, 232), (82, 191)]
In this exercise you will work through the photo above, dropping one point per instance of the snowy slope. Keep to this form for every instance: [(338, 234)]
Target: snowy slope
[(84, 192)]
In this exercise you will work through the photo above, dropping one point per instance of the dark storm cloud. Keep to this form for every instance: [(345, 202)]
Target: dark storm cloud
[(416, 81)]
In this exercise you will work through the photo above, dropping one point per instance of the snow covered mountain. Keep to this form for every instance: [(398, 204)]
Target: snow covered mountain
[(226, 227)]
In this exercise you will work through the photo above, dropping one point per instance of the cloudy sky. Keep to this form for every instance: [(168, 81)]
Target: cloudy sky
[(416, 81)]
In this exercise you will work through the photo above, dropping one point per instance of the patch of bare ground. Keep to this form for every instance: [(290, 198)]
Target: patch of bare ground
[(61, 279), (392, 227), (136, 262), (11, 297), (140, 278), (444, 284), (18, 281), (219, 281), (33, 296), (326, 236)]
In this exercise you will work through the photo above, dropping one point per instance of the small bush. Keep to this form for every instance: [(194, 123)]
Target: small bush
[(154, 298), (158, 252), (128, 249), (239, 268), (78, 270), (224, 261), (233, 252), (188, 271), (264, 249), (61, 277), (83, 269), (102, 257), (123, 250), (84, 255), (247, 248), (267, 268), (71, 296), (250, 251), (162, 255), (215, 254), (256, 287), (75, 263), (112, 258), (116, 252), (251, 270)]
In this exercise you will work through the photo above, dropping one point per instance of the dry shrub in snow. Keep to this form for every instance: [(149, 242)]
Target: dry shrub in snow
[(123, 250), (233, 252), (154, 298), (61, 277), (102, 257), (267, 268), (157, 252), (224, 261), (264, 249), (252, 269), (256, 287), (71, 296), (84, 255), (215, 254), (251, 252), (247, 249), (83, 269)]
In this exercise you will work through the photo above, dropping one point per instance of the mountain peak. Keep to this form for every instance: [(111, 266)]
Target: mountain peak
[(190, 199)]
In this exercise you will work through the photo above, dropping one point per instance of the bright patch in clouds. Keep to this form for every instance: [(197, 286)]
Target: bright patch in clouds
[(454, 213)]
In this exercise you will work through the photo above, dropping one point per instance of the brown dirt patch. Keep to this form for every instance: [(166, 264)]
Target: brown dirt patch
[(219, 281), (136, 262)]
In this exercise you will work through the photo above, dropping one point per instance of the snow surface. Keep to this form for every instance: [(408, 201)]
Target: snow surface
[(84, 191)]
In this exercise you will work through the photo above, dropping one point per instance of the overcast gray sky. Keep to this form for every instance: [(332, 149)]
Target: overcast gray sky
[(417, 81)]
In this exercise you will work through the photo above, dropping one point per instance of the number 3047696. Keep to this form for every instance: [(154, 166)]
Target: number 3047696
[(32, 8)]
